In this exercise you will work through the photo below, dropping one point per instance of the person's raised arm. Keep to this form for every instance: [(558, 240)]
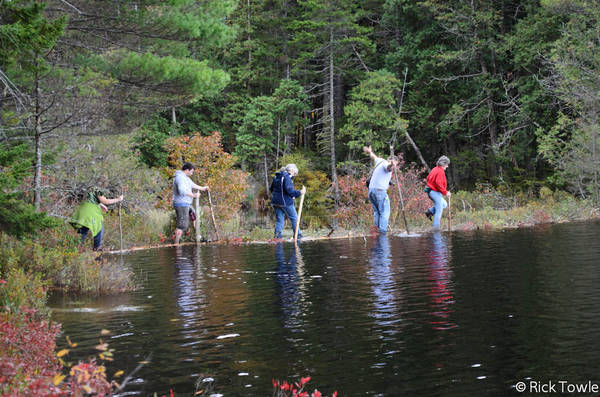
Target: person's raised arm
[(369, 151), (107, 201)]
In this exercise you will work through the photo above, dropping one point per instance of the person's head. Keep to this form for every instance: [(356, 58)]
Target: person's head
[(188, 168), (102, 182), (392, 158), (443, 162), (291, 169)]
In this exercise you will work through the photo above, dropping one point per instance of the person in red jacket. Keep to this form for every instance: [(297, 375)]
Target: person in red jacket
[(436, 189)]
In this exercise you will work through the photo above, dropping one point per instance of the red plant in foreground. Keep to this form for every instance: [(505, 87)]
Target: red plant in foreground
[(285, 389), (30, 367)]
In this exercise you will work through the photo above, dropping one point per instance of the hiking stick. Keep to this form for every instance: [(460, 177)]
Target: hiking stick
[(401, 202), (449, 213), (197, 221), (120, 226), (212, 213), (299, 215)]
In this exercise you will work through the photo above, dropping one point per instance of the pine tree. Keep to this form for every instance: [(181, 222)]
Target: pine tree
[(17, 217), (573, 144), (27, 38), (329, 43)]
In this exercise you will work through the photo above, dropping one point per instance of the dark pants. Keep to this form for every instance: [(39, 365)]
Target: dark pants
[(97, 238)]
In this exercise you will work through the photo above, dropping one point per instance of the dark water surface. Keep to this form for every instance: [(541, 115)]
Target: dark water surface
[(461, 314)]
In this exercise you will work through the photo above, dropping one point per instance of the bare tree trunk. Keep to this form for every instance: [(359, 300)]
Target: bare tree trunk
[(395, 133), (493, 125), (595, 161), (249, 37), (416, 149), (285, 44), (37, 188), (266, 172), (174, 120), (339, 97), (334, 179), (278, 139)]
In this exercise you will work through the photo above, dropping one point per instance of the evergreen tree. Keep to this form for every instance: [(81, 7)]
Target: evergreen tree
[(573, 144), (472, 67), (17, 217), (27, 38), (290, 102), (328, 40), (255, 136), (372, 106)]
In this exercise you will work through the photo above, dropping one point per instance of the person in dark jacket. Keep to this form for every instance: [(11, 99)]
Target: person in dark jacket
[(282, 198)]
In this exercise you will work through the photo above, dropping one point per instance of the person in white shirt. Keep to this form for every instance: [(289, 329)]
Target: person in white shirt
[(378, 185)]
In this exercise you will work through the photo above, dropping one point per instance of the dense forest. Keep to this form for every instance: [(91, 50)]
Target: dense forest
[(113, 96), (507, 89)]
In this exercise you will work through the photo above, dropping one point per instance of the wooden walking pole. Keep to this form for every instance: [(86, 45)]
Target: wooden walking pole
[(401, 202), (212, 213), (197, 221), (299, 214), (120, 226), (449, 213)]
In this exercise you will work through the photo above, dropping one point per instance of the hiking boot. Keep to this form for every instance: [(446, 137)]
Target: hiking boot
[(429, 215)]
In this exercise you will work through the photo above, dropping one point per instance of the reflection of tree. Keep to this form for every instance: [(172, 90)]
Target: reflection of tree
[(382, 281), (290, 285), (441, 283)]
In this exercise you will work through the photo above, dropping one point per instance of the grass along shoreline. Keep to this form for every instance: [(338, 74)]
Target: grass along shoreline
[(464, 217)]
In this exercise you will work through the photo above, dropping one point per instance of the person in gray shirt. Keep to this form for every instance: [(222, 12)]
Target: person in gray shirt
[(183, 196)]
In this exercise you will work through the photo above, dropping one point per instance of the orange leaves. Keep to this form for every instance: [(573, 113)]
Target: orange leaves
[(214, 167)]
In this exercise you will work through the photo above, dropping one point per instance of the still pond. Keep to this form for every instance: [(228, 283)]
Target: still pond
[(444, 314)]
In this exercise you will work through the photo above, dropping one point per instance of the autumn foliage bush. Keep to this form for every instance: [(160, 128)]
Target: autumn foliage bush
[(214, 167), (29, 366), (355, 210)]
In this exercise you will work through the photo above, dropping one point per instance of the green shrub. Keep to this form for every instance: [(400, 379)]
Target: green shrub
[(259, 234), (318, 201), (23, 290), (142, 227), (546, 194), (61, 265)]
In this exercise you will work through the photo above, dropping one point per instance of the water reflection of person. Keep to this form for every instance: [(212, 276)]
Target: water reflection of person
[(382, 280), (188, 294), (440, 277), (290, 284)]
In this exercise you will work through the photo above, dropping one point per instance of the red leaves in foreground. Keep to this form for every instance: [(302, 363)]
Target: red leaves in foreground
[(285, 389), (27, 360), (29, 366)]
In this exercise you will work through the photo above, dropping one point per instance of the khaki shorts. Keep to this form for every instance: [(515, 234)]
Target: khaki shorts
[(183, 217)]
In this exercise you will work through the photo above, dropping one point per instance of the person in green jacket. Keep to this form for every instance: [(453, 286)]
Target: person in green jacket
[(88, 216)]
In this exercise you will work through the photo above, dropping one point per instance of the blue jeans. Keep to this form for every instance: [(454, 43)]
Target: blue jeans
[(280, 214), (97, 238), (438, 207), (381, 208)]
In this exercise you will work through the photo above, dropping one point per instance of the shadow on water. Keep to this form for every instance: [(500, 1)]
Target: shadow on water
[(442, 314)]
